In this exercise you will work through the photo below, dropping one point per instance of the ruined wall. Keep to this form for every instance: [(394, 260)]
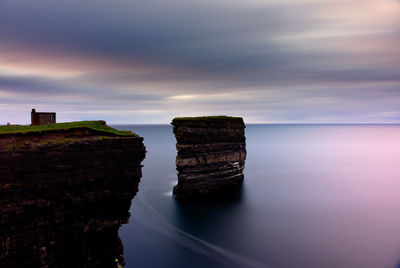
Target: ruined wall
[(63, 200), (211, 154), (42, 118)]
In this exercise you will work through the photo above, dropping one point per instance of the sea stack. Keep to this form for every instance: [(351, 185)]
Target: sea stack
[(211, 154)]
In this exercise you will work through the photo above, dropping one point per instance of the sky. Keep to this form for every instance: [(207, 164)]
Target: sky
[(268, 61)]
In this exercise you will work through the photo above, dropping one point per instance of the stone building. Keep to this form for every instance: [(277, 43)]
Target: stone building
[(42, 118)]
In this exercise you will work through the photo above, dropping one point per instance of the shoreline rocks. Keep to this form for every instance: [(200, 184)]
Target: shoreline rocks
[(211, 154)]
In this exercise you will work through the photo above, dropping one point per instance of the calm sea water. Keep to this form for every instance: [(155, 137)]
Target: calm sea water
[(313, 196)]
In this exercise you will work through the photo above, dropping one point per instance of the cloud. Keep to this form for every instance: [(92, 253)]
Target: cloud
[(277, 60)]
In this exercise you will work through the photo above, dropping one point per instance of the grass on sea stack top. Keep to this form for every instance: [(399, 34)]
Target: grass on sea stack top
[(95, 125), (207, 118)]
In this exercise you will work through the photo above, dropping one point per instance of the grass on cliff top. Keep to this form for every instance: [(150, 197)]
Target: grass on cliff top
[(206, 118), (95, 125)]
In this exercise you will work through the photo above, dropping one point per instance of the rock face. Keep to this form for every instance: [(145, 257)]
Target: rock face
[(211, 154), (62, 201)]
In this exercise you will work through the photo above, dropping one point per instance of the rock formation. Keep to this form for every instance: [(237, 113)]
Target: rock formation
[(211, 154), (64, 195)]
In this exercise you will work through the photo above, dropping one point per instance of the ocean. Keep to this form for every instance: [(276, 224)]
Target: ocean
[(313, 196)]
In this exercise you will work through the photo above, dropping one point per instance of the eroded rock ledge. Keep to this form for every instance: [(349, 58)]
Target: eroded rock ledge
[(64, 195), (211, 154)]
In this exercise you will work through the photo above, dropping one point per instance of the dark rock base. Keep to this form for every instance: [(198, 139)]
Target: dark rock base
[(61, 204)]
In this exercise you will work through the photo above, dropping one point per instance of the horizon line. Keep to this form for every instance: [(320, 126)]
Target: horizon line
[(127, 124)]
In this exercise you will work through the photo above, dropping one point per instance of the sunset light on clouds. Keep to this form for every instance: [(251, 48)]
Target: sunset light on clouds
[(269, 61)]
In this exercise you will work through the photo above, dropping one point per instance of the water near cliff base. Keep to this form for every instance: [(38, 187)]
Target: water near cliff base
[(313, 196)]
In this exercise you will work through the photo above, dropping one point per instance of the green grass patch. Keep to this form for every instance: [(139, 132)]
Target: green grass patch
[(95, 125), (206, 118)]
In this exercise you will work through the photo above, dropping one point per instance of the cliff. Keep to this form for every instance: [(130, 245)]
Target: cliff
[(64, 194), (211, 154)]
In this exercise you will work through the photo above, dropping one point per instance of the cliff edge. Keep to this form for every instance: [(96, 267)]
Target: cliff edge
[(211, 154), (64, 192)]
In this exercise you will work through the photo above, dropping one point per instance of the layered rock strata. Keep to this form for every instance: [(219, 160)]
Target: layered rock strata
[(211, 154), (64, 195)]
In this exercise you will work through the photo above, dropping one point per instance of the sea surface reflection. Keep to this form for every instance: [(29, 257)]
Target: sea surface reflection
[(313, 196)]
